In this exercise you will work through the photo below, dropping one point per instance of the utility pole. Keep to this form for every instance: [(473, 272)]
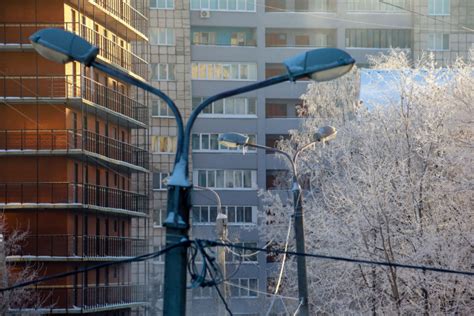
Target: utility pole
[(300, 248)]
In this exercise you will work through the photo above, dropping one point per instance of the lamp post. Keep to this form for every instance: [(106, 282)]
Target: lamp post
[(63, 46), (221, 232), (323, 134)]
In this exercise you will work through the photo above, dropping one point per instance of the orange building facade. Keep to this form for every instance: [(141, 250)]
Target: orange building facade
[(73, 153)]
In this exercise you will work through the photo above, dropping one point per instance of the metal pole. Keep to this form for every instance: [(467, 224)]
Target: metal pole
[(300, 248)]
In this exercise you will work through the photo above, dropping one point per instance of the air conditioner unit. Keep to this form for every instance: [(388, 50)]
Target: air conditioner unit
[(205, 14)]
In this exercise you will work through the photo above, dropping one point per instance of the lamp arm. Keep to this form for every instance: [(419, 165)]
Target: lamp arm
[(298, 152), (258, 85), (218, 198), (281, 152), (129, 79)]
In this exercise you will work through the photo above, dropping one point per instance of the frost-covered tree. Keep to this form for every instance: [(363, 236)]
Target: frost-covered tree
[(396, 185), (11, 240)]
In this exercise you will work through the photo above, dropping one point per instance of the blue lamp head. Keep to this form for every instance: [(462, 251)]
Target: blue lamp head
[(321, 64), (62, 46)]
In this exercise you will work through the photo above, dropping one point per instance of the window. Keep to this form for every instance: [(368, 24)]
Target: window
[(162, 72), (228, 71), (159, 216), (439, 7), (243, 287), (236, 255), (438, 41), (223, 5), (378, 38), (162, 4), (225, 179), (376, 5), (163, 144), (158, 178), (237, 39), (162, 36), (209, 142), (204, 38), (202, 292), (159, 108), (237, 215), (228, 107)]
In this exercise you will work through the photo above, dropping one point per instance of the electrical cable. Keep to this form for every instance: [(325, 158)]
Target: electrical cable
[(347, 259), (98, 266)]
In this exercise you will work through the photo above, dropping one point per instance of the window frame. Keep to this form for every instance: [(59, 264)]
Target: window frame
[(169, 69), (162, 176), (433, 40), (223, 8), (160, 105), (210, 112), (226, 210), (220, 148), (237, 283), (169, 36), (227, 183), (235, 73), (445, 9), (166, 7), (156, 144)]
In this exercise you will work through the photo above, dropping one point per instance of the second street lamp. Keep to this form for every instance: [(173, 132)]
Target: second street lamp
[(323, 134), (62, 46)]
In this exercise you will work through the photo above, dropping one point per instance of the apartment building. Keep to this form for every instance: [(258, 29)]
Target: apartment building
[(231, 43), (74, 155)]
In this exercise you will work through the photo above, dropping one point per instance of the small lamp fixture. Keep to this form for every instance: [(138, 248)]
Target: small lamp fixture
[(325, 133), (319, 64), (62, 46), (233, 140)]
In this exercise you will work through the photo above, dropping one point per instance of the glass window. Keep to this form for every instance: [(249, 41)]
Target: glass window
[(229, 178), (162, 4), (219, 178), (214, 142), (247, 179), (202, 178), (439, 7)]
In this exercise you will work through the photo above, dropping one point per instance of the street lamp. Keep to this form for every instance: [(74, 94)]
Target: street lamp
[(323, 134), (62, 46)]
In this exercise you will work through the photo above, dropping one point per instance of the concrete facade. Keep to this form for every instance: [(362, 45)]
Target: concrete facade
[(234, 46)]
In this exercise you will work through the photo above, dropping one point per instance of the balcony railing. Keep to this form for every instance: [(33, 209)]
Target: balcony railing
[(19, 33), (21, 193), (47, 87), (89, 298), (116, 52), (81, 246), (68, 139), (131, 15)]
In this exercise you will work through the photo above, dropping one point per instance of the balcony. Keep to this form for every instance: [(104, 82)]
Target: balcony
[(300, 38), (80, 246), (126, 13), (14, 35), (223, 36), (300, 6), (66, 194), (71, 141), (115, 52), (51, 88), (77, 299)]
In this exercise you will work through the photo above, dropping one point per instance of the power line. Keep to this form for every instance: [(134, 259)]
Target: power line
[(346, 259), (428, 16), (98, 266)]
